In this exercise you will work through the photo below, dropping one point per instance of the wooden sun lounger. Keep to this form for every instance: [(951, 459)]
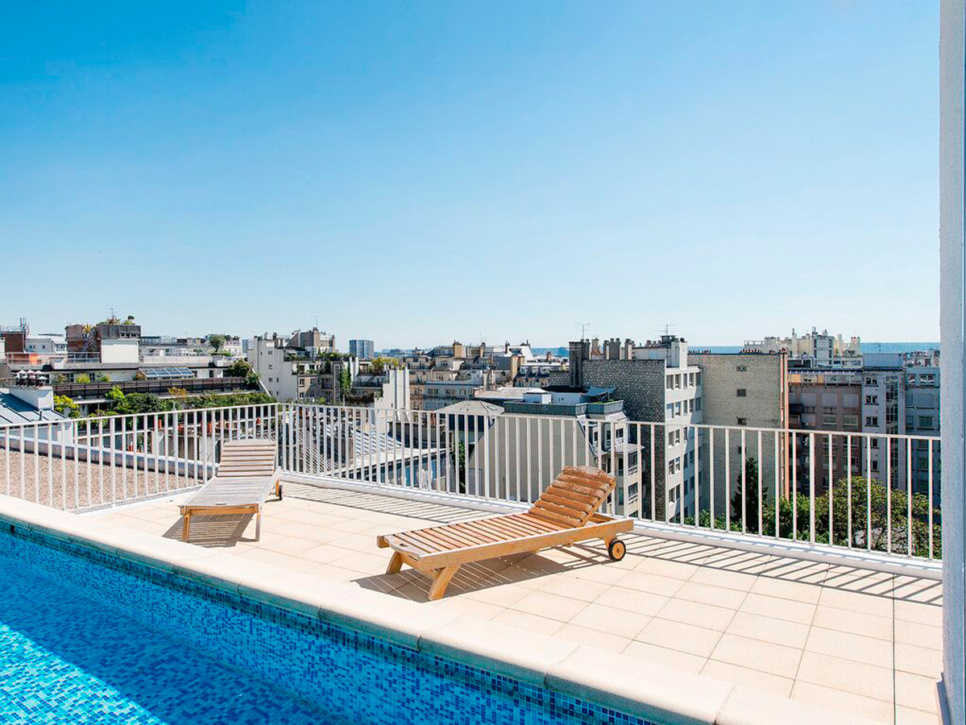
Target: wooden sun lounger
[(564, 514), (247, 472)]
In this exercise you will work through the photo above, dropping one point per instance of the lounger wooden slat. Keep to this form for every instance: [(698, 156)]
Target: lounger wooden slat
[(565, 514), (247, 473)]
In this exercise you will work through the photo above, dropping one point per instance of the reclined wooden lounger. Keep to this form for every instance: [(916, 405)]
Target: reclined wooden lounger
[(247, 473), (564, 514)]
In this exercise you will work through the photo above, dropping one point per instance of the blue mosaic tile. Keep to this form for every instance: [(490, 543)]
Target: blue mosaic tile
[(88, 637)]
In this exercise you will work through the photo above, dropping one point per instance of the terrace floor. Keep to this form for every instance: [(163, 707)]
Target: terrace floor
[(859, 641)]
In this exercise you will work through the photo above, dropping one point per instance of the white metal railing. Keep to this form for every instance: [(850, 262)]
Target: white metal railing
[(842, 490), (85, 463)]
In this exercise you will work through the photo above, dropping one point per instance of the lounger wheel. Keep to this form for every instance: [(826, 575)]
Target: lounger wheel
[(616, 549)]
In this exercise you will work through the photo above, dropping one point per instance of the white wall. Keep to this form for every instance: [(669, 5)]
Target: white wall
[(951, 147), (124, 350)]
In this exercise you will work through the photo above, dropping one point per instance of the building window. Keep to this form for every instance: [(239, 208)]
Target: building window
[(829, 420), (742, 393), (925, 421), (872, 421), (742, 421), (850, 421), (871, 399), (741, 368)]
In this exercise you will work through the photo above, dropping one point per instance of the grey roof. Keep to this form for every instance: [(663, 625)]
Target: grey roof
[(14, 411), (471, 407)]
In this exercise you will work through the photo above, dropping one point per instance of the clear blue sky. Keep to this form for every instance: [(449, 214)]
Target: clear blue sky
[(414, 172)]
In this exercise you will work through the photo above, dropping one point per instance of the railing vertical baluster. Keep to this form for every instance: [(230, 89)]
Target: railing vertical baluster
[(744, 482), (529, 497), (540, 480), (75, 438), (868, 493), (908, 446), (831, 491), (778, 470), (888, 494), (794, 492), (727, 462), (711, 480), (848, 492), (518, 453), (653, 476), (761, 494), (811, 487), (929, 482)]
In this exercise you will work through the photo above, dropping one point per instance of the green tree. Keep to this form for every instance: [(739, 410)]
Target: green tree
[(66, 406), (378, 365), (458, 456), (345, 382), (216, 342), (238, 369), (750, 512), (82, 378)]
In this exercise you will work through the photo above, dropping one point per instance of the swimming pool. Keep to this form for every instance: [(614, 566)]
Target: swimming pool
[(86, 636)]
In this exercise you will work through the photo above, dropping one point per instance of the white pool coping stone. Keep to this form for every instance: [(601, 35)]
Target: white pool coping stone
[(621, 682)]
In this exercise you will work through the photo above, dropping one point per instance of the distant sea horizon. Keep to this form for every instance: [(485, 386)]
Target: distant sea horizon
[(867, 347)]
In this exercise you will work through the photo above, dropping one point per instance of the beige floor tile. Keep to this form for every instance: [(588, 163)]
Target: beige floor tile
[(923, 661), (698, 614), (746, 677), (757, 655), (601, 574), (918, 612), (778, 608), (323, 554), (664, 567), (785, 589), (908, 716), (723, 578), (916, 691), (570, 586), (653, 583), (530, 622), (708, 594), (505, 596), (856, 602), (881, 710), (920, 635), (667, 657), (611, 620), (768, 629), (362, 563), (797, 570), (594, 637), (679, 636), (849, 646), (553, 606), (631, 600), (847, 675), (842, 620), (472, 607)]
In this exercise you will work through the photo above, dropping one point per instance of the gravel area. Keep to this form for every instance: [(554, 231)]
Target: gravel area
[(71, 484)]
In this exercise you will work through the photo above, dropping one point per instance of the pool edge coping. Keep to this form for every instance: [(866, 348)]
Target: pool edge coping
[(613, 680)]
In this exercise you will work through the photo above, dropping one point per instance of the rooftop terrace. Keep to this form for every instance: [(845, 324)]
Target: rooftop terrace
[(865, 643)]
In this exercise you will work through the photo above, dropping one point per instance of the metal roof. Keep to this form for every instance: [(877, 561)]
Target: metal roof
[(14, 411), (167, 373)]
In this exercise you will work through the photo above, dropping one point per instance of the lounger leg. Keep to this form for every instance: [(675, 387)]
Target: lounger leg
[(258, 525), (441, 581), (185, 526), (395, 563)]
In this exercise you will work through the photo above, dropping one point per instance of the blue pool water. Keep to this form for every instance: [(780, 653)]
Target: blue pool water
[(66, 658), (88, 637)]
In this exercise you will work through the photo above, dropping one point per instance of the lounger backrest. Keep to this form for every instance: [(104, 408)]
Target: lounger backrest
[(574, 496), (249, 458)]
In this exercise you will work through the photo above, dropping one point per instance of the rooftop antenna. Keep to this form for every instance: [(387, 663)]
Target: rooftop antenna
[(583, 329), (667, 328)]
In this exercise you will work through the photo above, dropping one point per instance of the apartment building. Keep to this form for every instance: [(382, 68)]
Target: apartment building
[(540, 432), (814, 349), (362, 349), (658, 385), (747, 390), (289, 372), (922, 419)]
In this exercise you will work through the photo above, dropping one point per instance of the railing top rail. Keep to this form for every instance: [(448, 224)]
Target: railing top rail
[(140, 416)]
